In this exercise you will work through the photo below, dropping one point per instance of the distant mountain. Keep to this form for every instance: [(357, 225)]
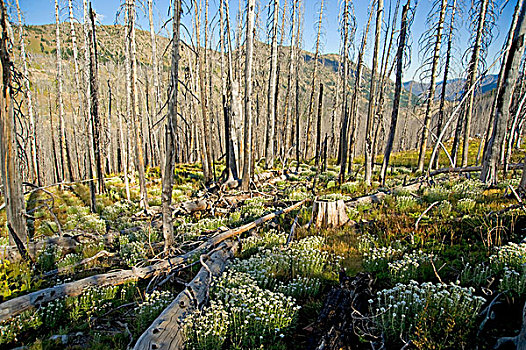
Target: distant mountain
[(454, 87)]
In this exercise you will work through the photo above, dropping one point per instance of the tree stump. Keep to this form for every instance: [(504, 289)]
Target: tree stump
[(328, 214)]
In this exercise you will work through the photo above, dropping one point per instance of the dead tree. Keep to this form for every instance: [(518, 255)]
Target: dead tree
[(35, 166), (135, 115), (436, 36), (318, 126), (356, 92), (156, 86), (12, 191), (94, 112), (372, 96), (477, 50), (171, 129), (64, 152), (447, 65), (505, 50), (206, 153), (504, 98), (398, 90), (245, 181), (345, 78), (313, 83), (272, 87)]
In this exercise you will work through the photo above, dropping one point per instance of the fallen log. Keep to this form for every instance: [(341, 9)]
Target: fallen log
[(167, 331), (470, 169), (340, 317), (379, 196), (65, 243), (16, 306)]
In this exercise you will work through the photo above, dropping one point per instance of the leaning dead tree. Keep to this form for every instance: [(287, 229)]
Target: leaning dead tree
[(398, 90), (14, 197), (171, 130), (510, 75), (435, 34)]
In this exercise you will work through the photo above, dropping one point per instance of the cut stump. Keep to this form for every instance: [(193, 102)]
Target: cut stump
[(327, 214)]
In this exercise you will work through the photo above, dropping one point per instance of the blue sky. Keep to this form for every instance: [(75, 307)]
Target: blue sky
[(42, 12)]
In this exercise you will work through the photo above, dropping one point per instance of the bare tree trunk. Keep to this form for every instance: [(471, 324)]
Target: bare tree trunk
[(12, 191), (473, 71), (245, 182), (372, 96), (398, 91), (297, 88), (505, 50), (66, 166), (53, 148), (504, 98), (135, 117), (171, 129), (313, 83), (287, 142), (318, 126), (156, 73), (344, 78), (35, 166), (271, 97), (432, 86), (94, 112), (442, 107), (205, 152), (354, 107)]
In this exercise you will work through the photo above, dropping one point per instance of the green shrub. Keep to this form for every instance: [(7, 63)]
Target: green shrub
[(405, 203), (432, 316)]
